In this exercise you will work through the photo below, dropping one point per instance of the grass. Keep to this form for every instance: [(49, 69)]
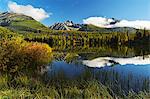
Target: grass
[(29, 23), (26, 88), (26, 26), (23, 86)]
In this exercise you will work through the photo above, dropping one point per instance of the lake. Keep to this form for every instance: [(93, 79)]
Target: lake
[(121, 69)]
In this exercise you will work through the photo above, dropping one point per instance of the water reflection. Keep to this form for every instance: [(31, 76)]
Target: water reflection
[(125, 69), (120, 77), (109, 61)]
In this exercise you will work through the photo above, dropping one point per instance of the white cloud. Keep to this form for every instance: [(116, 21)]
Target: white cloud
[(105, 22), (38, 14), (105, 61)]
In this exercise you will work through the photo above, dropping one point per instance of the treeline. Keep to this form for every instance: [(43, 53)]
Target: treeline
[(138, 42), (91, 38)]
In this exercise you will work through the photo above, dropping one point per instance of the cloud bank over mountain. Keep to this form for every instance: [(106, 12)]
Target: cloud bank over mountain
[(38, 14), (111, 23)]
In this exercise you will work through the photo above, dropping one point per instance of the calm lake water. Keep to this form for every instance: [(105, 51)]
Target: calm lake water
[(115, 69)]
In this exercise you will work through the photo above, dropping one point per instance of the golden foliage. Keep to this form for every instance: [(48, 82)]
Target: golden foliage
[(16, 54)]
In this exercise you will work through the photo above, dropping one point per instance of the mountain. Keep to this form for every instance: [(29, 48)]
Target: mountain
[(68, 25), (92, 28), (110, 22), (20, 23)]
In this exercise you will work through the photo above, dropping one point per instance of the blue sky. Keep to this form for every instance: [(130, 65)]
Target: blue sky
[(77, 10)]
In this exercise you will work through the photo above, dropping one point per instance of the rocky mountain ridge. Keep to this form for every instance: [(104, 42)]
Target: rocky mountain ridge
[(6, 18), (68, 25)]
